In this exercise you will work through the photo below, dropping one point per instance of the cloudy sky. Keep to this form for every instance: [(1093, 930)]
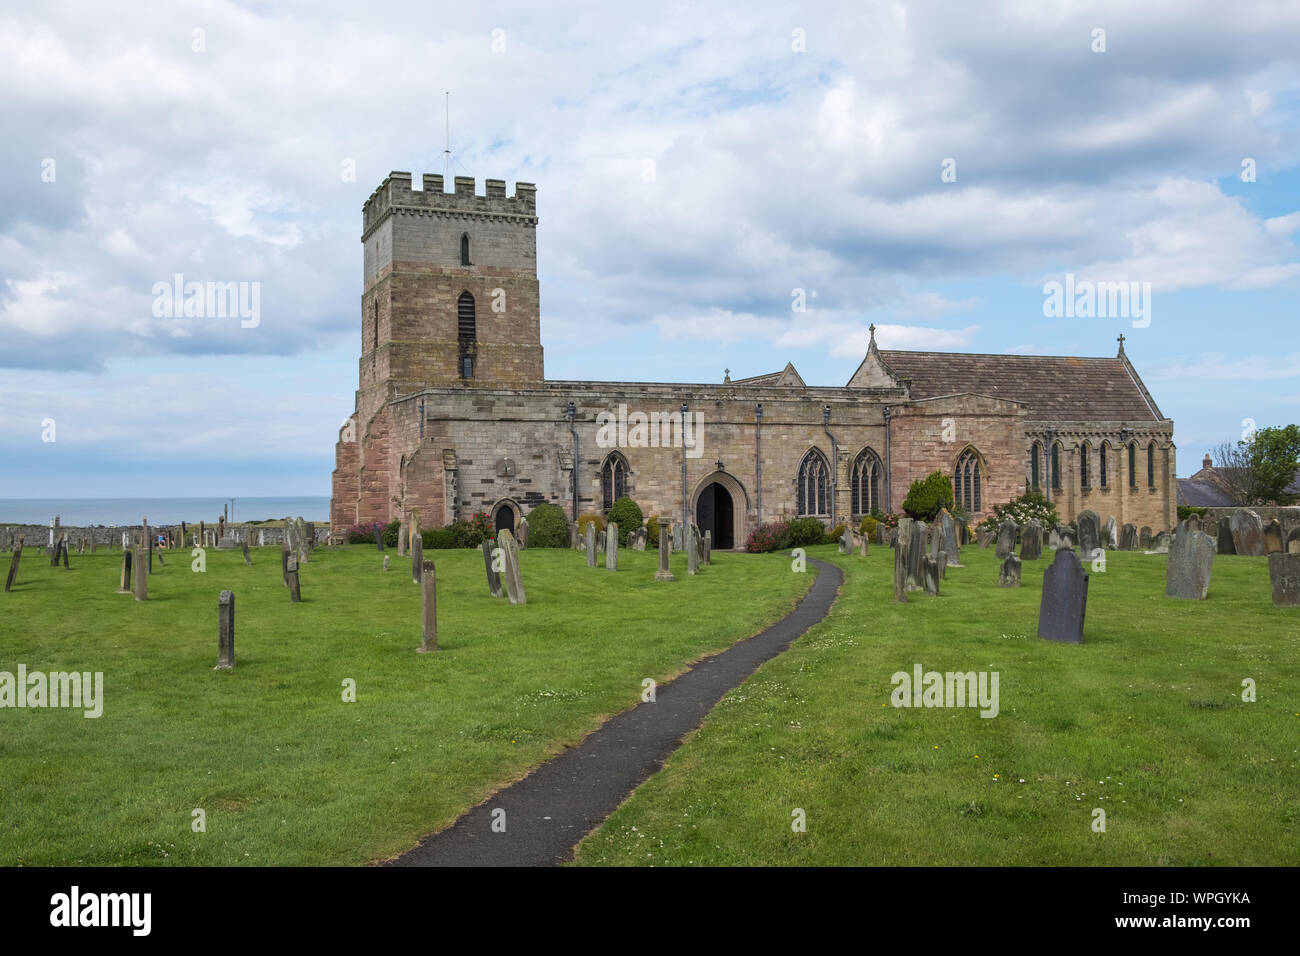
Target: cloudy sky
[(696, 163)]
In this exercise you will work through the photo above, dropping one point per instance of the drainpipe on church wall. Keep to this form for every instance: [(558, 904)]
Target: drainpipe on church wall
[(758, 458), (889, 479), (574, 432), (835, 459), (685, 519)]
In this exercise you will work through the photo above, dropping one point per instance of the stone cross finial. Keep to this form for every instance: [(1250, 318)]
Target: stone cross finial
[(726, 375), (1121, 343)]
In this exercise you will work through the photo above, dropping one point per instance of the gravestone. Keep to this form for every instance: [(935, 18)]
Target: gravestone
[(1009, 576), (402, 538), (951, 544), (933, 539), (284, 562), (301, 540), (985, 537), (708, 547), (1006, 538), (1128, 537), (1067, 536), (1273, 537), (510, 555), (1247, 532), (141, 574), (1187, 574), (943, 565), (843, 546), (379, 536), (900, 572), (611, 547), (918, 535), (417, 558), (124, 587), (637, 541), (1031, 541), (1110, 535), (291, 572), (1193, 522), (261, 537), (601, 538), (1146, 538), (1089, 525), (13, 564), (679, 536), (248, 558), (1284, 577), (1161, 543), (493, 578), (225, 631), (590, 530), (963, 531), (692, 551), (930, 574), (663, 574), (385, 562), (227, 542), (1064, 602), (428, 609), (523, 534), (1293, 542), (862, 545), (1224, 537), (309, 536), (1053, 539)]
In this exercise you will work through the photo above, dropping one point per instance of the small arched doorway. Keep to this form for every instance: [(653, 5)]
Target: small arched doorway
[(504, 518), (715, 512)]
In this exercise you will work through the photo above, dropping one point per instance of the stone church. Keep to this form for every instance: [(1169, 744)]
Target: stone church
[(455, 415)]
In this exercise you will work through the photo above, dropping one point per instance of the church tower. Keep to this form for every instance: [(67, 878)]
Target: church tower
[(450, 294)]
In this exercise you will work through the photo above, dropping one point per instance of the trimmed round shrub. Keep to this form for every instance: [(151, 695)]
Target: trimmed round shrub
[(767, 537), (586, 519), (625, 513), (548, 527), (803, 532), (652, 531), (836, 533), (439, 539), (391, 532), (927, 497), (868, 527)]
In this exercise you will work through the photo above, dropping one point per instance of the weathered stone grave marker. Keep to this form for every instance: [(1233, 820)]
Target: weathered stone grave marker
[(428, 609), (1009, 576), (225, 631), (1187, 575), (1064, 602)]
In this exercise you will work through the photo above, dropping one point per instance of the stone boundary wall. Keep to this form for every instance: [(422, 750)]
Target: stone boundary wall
[(109, 537), (1288, 517)]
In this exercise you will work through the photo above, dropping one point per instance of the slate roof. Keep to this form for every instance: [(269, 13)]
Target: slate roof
[(1053, 387), (1200, 493)]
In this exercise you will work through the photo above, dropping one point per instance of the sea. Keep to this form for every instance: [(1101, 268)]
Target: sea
[(84, 512)]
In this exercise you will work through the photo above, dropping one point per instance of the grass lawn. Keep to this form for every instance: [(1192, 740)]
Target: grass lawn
[(288, 773), (1144, 720)]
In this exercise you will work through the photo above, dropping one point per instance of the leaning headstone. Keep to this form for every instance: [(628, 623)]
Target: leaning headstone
[(930, 574), (1187, 575), (1064, 603), (951, 541), (295, 591), (1293, 542), (1247, 532), (611, 547), (985, 537), (1284, 576), (514, 580), (1089, 524), (142, 574), (1009, 576), (402, 538), (591, 543), (301, 540), (523, 534), (1273, 537), (124, 587), (1224, 537), (1110, 535), (692, 552), (493, 578), (679, 536), (428, 609), (918, 535), (285, 551), (248, 558), (13, 564), (663, 574), (1161, 543), (933, 539), (1007, 531), (900, 571), (225, 631), (379, 536), (1128, 537), (1031, 541), (417, 558)]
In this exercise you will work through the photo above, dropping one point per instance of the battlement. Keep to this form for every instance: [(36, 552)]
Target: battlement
[(395, 194)]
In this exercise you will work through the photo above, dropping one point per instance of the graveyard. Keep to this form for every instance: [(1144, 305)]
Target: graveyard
[(1145, 720), (286, 770)]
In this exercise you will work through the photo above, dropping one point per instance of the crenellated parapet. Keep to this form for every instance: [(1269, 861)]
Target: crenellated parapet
[(396, 196)]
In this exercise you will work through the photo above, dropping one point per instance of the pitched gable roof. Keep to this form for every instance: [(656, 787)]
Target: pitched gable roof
[(1052, 387), (787, 376)]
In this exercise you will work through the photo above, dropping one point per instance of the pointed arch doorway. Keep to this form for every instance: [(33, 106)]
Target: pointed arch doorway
[(720, 504)]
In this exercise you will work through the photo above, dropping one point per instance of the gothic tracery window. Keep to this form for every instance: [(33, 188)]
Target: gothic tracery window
[(613, 480), (814, 485), (867, 471), (967, 482)]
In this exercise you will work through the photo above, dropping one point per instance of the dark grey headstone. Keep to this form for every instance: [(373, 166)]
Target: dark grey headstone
[(1007, 533), (1128, 537), (1187, 575), (930, 574), (1162, 542), (918, 534), (493, 578), (1284, 576), (1031, 541), (1145, 538), (295, 591), (1089, 524), (1009, 576), (1224, 538), (1247, 532), (665, 545), (900, 571), (1293, 542), (951, 545), (1065, 599)]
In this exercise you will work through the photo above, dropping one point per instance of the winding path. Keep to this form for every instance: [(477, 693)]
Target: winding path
[(554, 807)]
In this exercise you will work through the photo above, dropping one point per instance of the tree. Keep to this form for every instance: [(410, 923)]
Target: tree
[(926, 498), (1258, 471)]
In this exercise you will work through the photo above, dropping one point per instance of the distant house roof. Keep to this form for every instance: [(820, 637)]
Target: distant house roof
[(1202, 493), (1053, 387), (787, 376)]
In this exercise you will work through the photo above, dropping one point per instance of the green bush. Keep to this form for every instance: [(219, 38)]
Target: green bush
[(586, 519), (926, 498), (1186, 511), (802, 532), (836, 533), (652, 531), (1032, 504), (868, 527), (548, 527), (439, 539), (625, 513)]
